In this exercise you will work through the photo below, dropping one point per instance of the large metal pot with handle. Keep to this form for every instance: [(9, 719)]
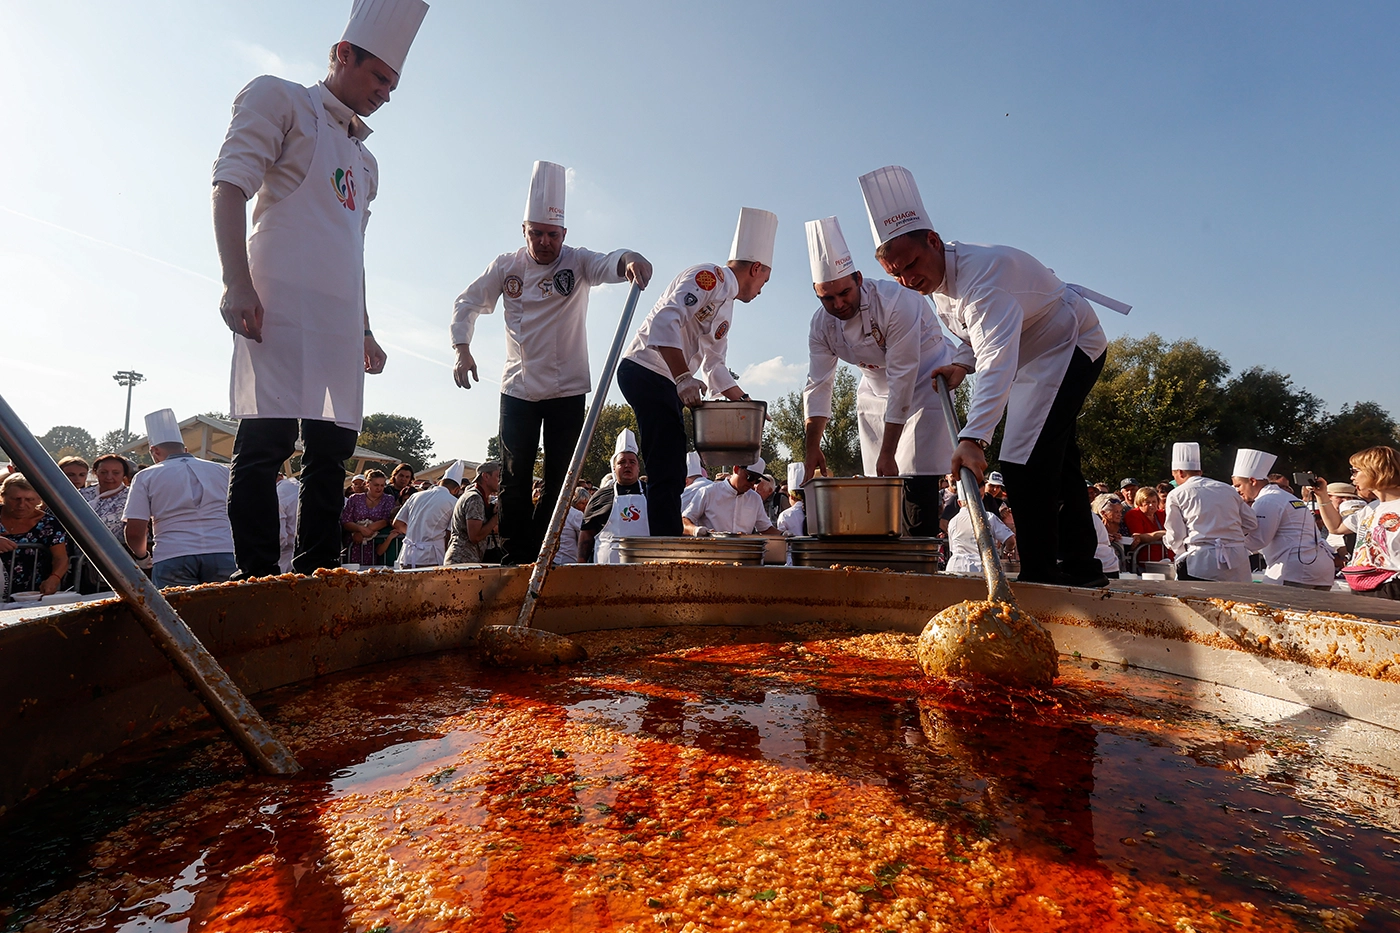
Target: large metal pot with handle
[(729, 433), (854, 505)]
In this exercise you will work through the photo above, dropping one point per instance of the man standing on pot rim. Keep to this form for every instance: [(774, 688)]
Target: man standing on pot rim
[(679, 353), (294, 292), (1037, 348), (545, 285), (894, 338)]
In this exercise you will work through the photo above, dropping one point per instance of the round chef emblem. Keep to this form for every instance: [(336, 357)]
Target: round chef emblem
[(705, 279), (719, 274), (564, 281), (721, 330), (514, 286)]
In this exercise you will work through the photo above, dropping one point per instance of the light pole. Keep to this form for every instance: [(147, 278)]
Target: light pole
[(128, 378)]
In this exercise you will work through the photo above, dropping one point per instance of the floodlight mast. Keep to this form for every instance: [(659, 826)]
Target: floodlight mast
[(130, 379)]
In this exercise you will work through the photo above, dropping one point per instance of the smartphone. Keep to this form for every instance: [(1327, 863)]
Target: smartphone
[(1304, 479)]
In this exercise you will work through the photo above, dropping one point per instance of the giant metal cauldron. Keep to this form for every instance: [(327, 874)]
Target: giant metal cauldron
[(78, 683)]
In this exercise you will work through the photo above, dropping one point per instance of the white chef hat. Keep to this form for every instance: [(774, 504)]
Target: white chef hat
[(827, 252), (754, 236), (893, 203), (757, 467), (455, 472), (162, 428), (626, 441), (693, 466), (797, 474), (1186, 455), (1253, 464), (545, 203), (385, 28)]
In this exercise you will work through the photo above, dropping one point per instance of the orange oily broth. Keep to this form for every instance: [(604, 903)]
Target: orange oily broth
[(738, 785)]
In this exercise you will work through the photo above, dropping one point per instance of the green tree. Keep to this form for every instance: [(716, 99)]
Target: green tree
[(840, 440), (111, 442), (399, 436), (1261, 409), (1334, 439), (1150, 395), (63, 439)]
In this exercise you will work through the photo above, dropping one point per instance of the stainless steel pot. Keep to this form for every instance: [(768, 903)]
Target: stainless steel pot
[(919, 555), (729, 433), (855, 505), (735, 549)]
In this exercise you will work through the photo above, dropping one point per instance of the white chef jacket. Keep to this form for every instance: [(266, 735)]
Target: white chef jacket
[(963, 553), (1210, 525), (1294, 549), (693, 315), (568, 537), (896, 342), (187, 499), (722, 508), (288, 490), (1019, 326), (272, 139), (793, 520), (689, 493), (546, 317), (427, 516)]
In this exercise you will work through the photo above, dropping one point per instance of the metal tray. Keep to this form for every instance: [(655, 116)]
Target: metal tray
[(729, 548)]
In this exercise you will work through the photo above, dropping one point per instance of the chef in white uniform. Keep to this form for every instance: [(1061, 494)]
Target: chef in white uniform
[(893, 336), (793, 520), (1295, 551), (963, 554), (186, 499), (425, 521), (618, 509), (545, 287), (679, 354), (695, 478), (731, 507), (1210, 528), (1037, 348), (294, 293)]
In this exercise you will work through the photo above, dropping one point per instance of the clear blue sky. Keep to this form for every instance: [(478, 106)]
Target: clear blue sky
[(1229, 169)]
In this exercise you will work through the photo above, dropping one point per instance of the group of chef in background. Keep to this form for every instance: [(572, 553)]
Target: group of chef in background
[(294, 299)]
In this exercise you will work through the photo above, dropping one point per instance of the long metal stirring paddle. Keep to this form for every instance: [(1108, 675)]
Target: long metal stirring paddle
[(493, 640), (204, 675)]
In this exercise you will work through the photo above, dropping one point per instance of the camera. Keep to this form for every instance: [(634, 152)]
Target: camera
[(1302, 480)]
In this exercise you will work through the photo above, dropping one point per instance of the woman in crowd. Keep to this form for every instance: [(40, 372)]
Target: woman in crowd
[(1108, 510), (402, 482), (108, 497), (1144, 522), (365, 515), (76, 469), (23, 522), (1375, 561)]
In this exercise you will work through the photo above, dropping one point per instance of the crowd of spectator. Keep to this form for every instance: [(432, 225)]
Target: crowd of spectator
[(178, 529)]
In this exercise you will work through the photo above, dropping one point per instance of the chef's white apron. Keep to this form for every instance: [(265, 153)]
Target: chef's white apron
[(1225, 563), (306, 254), (924, 448), (628, 519)]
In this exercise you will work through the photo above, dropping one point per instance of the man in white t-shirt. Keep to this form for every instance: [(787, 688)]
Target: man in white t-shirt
[(545, 288), (187, 500), (731, 507)]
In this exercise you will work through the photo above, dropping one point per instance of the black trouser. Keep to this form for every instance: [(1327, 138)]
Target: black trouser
[(524, 523), (661, 442), (1046, 493), (923, 504), (260, 448)]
